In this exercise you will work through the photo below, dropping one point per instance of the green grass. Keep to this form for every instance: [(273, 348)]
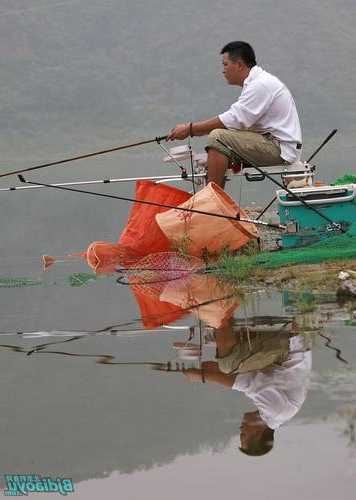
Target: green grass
[(242, 267), (236, 268)]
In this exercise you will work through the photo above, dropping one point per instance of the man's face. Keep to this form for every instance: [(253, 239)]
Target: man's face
[(252, 426), (232, 70)]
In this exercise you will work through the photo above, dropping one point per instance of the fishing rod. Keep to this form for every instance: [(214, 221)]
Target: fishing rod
[(158, 178), (83, 156), (146, 202), (332, 133), (334, 225)]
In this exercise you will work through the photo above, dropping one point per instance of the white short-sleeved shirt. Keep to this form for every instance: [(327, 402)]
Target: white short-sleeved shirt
[(280, 391), (267, 106)]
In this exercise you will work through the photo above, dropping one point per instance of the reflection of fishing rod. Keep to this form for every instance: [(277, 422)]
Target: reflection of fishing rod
[(120, 328), (107, 359), (102, 359), (168, 367), (329, 346), (134, 332), (38, 347)]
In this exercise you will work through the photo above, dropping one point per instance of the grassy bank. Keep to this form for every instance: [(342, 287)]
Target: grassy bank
[(315, 267)]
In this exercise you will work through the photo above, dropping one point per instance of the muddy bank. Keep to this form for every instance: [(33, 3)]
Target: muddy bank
[(311, 277)]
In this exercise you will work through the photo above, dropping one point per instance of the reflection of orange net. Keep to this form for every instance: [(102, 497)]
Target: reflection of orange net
[(147, 279), (203, 295), (161, 267), (155, 312), (168, 286), (206, 296)]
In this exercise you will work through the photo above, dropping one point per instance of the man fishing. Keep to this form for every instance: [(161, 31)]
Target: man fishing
[(262, 126)]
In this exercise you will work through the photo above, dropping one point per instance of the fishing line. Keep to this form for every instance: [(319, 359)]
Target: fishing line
[(179, 165), (191, 164)]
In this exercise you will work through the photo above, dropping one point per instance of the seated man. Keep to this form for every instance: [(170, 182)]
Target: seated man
[(262, 126)]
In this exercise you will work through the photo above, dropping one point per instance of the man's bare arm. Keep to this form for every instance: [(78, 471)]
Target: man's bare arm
[(184, 130), (211, 375), (220, 378)]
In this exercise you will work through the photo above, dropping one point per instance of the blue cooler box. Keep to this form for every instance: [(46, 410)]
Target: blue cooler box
[(304, 225)]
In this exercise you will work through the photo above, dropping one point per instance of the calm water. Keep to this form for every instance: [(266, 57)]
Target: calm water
[(84, 75)]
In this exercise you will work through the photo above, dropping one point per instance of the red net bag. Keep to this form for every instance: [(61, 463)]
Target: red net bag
[(142, 233), (104, 257)]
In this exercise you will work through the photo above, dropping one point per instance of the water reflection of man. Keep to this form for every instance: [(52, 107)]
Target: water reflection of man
[(271, 369)]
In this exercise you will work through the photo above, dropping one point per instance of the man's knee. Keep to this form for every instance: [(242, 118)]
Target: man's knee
[(212, 142), (215, 134)]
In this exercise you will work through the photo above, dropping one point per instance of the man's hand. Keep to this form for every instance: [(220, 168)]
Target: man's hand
[(179, 132), (183, 130)]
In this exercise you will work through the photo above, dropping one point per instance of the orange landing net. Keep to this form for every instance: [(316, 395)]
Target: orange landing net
[(153, 229)]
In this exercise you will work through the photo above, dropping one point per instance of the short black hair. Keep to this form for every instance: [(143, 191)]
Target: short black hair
[(240, 50)]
